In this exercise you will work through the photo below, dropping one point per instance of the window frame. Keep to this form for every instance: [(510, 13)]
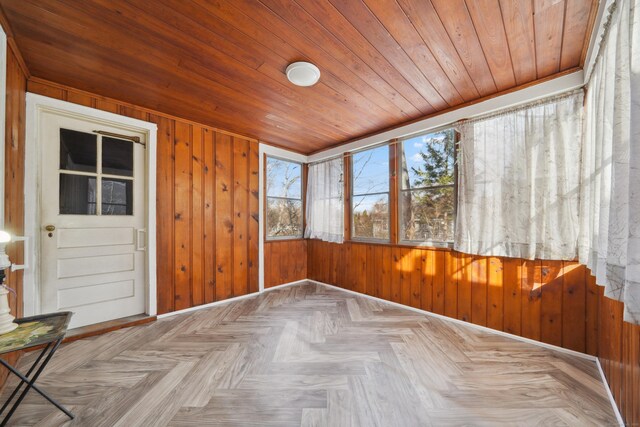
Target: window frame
[(99, 175), (352, 196), (400, 190), (267, 237)]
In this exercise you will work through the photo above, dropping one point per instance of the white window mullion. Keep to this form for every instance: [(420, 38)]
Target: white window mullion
[(99, 177)]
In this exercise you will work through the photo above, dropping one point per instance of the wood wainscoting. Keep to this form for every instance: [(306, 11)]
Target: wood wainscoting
[(285, 261), (548, 301), (619, 354), (207, 204), (556, 302), (14, 178)]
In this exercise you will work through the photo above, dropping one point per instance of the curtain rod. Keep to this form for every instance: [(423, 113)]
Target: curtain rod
[(521, 107), (603, 38)]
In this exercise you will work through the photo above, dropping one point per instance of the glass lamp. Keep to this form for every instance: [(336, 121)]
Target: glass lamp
[(6, 319)]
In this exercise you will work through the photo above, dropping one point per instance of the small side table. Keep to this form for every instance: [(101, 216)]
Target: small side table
[(46, 330)]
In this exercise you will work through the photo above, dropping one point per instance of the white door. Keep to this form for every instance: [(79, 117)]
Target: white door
[(92, 214)]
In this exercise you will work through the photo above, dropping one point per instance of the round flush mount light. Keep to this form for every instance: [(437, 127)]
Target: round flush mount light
[(303, 73)]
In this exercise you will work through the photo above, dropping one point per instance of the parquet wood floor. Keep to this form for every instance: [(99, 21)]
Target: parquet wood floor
[(312, 355)]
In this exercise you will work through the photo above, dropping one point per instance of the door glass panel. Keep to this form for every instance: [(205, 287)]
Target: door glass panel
[(117, 156), (77, 195), (117, 196), (78, 151)]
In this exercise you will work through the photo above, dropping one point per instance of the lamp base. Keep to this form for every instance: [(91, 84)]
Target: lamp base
[(6, 319)]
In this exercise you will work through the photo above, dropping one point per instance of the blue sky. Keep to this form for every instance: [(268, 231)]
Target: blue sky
[(277, 172)]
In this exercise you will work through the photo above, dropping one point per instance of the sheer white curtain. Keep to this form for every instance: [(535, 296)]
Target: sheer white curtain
[(610, 191), (325, 202), (519, 173)]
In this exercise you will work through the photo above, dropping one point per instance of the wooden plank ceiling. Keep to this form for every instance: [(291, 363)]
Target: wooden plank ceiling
[(221, 63)]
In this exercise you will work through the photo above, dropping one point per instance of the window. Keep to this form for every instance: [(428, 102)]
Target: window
[(370, 194), (284, 199), (427, 187), (96, 174)]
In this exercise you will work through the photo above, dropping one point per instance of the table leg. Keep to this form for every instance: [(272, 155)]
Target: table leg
[(33, 366), (30, 384)]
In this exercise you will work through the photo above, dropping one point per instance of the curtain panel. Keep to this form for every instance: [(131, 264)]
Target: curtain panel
[(610, 165), (325, 201), (518, 179)]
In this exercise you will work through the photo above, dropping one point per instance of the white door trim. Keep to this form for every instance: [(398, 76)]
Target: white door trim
[(36, 105)]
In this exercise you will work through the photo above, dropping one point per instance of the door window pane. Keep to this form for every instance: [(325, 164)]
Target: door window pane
[(117, 196), (78, 151), (77, 195), (117, 156), (427, 215), (371, 216)]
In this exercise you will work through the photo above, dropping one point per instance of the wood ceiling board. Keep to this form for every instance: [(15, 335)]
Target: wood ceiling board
[(222, 63), (485, 14)]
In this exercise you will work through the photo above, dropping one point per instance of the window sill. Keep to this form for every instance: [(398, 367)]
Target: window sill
[(409, 245), (283, 239)]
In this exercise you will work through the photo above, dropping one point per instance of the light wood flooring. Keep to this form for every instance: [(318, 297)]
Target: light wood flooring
[(312, 355)]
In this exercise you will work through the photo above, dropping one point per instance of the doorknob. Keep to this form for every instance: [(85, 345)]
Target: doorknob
[(50, 227)]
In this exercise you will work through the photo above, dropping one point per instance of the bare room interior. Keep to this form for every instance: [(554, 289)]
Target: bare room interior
[(320, 212)]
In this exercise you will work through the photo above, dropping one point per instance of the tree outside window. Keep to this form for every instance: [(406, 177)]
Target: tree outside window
[(427, 187), (284, 199)]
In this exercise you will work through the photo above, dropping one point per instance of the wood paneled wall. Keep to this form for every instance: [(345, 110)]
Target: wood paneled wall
[(548, 301), (285, 261), (207, 204), (556, 302), (14, 180), (619, 354)]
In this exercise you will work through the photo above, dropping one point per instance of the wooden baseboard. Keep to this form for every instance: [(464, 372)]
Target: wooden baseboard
[(104, 327)]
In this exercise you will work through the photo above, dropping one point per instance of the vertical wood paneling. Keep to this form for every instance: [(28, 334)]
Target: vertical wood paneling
[(254, 218), (479, 291), (196, 241), (164, 213), (465, 278), (197, 217), (104, 104), (386, 272), (182, 216), (531, 284), (512, 282), (573, 306), (428, 267), (15, 114), (436, 269), (285, 261), (406, 269), (451, 285), (81, 99), (209, 215), (224, 217), (396, 273), (592, 320), (495, 294), (240, 216), (551, 303)]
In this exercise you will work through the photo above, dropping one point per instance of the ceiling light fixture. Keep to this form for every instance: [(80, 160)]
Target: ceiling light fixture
[(303, 73)]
